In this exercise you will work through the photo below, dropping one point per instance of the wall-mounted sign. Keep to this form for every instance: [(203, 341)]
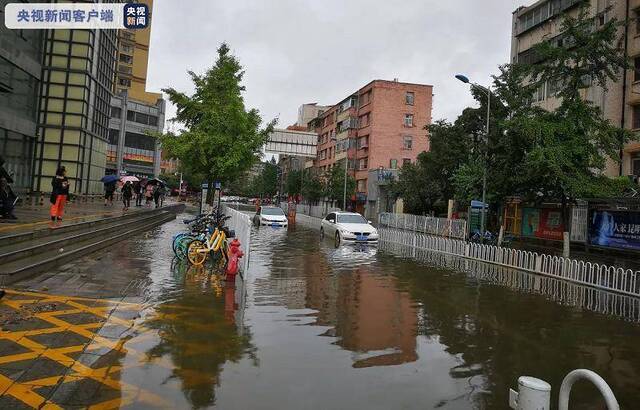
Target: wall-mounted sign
[(615, 229), (542, 223), (138, 157)]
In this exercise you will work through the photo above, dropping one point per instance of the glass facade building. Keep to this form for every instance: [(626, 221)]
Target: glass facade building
[(75, 96), (20, 72)]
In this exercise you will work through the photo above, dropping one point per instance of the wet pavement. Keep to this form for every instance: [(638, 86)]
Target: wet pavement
[(311, 327)]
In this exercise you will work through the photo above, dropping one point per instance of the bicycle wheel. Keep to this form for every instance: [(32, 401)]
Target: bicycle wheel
[(197, 252), (182, 248), (176, 241)]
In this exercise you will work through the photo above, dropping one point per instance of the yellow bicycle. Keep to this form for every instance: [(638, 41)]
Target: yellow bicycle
[(198, 250)]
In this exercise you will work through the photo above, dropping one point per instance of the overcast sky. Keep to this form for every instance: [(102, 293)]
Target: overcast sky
[(300, 51)]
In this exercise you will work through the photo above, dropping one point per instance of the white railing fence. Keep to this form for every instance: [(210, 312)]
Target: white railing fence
[(558, 290), (241, 224), (592, 274), (452, 228)]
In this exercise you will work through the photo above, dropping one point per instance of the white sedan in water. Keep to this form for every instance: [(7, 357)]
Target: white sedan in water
[(348, 227), (271, 216)]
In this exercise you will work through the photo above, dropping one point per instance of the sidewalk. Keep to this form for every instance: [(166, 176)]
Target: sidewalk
[(36, 217)]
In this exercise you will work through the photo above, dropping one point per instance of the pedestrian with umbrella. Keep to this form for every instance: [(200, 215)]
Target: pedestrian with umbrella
[(109, 182), (127, 193), (59, 194), (158, 194), (138, 189), (148, 193)]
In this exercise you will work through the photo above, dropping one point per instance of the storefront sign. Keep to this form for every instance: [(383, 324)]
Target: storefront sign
[(615, 229), (542, 223), (138, 157)]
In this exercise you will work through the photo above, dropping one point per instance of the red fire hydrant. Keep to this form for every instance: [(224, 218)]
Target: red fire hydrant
[(235, 253)]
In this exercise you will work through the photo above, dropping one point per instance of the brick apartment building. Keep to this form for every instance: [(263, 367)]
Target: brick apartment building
[(379, 127)]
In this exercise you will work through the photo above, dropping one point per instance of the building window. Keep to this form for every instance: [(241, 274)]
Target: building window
[(539, 93), (364, 120), (363, 142), (139, 141), (125, 82), (408, 98), (636, 66), (362, 185), (116, 112), (124, 69), (636, 117), (126, 59), (636, 167), (131, 115), (408, 120), (393, 163), (113, 136), (362, 163), (406, 161), (407, 142), (365, 98)]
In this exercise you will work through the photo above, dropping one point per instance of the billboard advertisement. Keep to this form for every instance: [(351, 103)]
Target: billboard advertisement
[(542, 223), (615, 229)]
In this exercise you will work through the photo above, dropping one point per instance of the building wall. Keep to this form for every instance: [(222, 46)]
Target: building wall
[(77, 79), (375, 136), (131, 149), (133, 61), (620, 103), (20, 72), (307, 112)]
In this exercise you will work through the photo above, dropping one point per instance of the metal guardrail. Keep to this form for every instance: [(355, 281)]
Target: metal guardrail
[(452, 228), (560, 291), (599, 276), (241, 224), (535, 394)]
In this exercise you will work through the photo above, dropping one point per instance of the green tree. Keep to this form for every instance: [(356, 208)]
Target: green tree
[(313, 187), (294, 182), (265, 184), (220, 138), (334, 187)]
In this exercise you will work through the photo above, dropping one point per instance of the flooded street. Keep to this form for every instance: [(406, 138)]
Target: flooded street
[(312, 327)]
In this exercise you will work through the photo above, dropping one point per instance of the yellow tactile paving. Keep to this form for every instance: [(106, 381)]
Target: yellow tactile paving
[(56, 317)]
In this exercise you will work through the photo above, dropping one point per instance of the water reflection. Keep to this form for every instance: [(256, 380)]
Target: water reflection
[(198, 331), (465, 330)]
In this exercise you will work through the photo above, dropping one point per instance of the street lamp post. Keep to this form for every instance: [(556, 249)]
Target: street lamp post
[(465, 80)]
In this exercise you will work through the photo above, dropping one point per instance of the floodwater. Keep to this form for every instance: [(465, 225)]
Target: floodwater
[(318, 327)]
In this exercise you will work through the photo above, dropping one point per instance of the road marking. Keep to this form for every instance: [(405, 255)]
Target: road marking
[(60, 320)]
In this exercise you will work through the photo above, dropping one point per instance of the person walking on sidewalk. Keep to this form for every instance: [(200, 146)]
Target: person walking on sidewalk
[(137, 189), (109, 190), (158, 195), (59, 194), (148, 194), (127, 193)]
